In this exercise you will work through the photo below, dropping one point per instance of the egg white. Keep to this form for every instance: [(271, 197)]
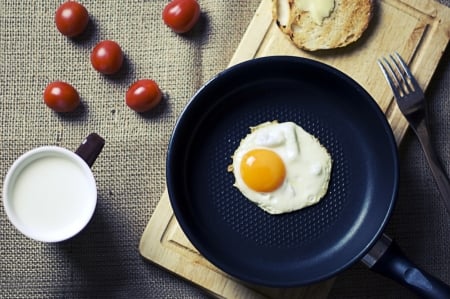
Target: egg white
[(307, 163)]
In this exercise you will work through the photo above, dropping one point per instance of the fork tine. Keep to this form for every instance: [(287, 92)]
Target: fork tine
[(402, 70), (408, 72), (390, 75)]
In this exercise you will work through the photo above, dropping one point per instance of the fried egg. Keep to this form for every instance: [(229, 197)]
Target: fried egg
[(281, 167)]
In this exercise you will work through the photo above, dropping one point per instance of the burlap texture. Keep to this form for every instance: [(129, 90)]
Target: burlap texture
[(103, 261)]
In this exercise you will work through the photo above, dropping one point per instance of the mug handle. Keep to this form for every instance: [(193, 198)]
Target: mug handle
[(90, 148)]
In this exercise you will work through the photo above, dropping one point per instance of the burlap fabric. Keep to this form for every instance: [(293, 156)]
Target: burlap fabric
[(103, 261)]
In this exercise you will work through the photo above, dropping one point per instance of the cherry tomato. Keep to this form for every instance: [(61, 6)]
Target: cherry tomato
[(71, 18), (107, 57), (143, 95), (181, 15), (61, 97)]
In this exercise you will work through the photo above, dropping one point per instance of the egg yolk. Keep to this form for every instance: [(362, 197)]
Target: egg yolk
[(262, 170)]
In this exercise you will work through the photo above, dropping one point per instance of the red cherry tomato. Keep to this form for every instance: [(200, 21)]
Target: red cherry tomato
[(143, 95), (181, 15), (61, 97), (107, 57), (71, 18)]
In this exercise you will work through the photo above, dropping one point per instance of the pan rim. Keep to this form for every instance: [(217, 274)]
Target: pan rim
[(193, 106)]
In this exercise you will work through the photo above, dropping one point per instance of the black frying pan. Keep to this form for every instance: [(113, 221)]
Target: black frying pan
[(301, 247)]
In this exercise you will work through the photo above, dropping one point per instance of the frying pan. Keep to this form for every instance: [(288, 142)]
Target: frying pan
[(308, 245)]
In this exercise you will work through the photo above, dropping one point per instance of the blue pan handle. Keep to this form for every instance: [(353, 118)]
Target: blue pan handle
[(387, 259)]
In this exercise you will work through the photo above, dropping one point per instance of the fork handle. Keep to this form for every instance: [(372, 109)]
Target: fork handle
[(437, 169)]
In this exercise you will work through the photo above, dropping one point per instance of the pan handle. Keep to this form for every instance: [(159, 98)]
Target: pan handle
[(386, 258)]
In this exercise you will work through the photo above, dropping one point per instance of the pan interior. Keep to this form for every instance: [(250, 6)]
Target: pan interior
[(295, 248)]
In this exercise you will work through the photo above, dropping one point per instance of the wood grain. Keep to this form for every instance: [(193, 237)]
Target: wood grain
[(417, 29)]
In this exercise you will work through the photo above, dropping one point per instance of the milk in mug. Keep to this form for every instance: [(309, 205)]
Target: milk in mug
[(51, 194)]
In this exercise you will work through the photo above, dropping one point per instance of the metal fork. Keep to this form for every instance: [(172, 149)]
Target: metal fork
[(411, 102)]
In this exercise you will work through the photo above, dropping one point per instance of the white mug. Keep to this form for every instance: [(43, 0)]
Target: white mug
[(50, 193)]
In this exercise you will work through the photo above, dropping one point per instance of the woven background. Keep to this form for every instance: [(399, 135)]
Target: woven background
[(103, 261)]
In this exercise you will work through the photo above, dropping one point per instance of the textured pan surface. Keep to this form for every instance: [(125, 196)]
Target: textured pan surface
[(300, 247)]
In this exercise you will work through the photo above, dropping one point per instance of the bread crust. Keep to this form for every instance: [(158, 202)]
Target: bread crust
[(345, 25)]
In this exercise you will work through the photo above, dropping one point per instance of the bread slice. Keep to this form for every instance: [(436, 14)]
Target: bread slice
[(345, 24)]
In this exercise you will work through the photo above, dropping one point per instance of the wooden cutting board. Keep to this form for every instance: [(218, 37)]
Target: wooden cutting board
[(418, 29)]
